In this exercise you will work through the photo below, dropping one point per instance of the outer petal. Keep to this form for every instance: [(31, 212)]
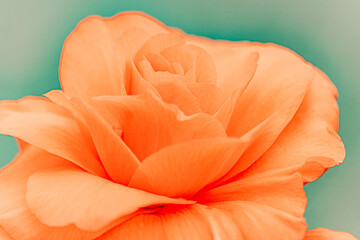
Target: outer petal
[(314, 125), (38, 104), (196, 222), (264, 207), (15, 216), (280, 82), (227, 220), (183, 169), (50, 127), (277, 89), (310, 136), (88, 201), (94, 56), (263, 134), (157, 125), (279, 85), (327, 234), (4, 235), (261, 222), (118, 160), (22, 145), (285, 193)]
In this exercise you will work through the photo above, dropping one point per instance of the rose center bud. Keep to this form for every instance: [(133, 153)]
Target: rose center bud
[(181, 74)]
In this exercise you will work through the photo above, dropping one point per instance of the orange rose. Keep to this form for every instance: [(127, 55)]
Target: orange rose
[(161, 135)]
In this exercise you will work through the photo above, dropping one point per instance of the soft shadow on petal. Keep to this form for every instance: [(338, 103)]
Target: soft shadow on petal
[(285, 193), (235, 220), (258, 139), (137, 84), (193, 222), (118, 160), (183, 169), (159, 63), (4, 235), (192, 57), (327, 234), (22, 145), (155, 124), (223, 114), (171, 88)]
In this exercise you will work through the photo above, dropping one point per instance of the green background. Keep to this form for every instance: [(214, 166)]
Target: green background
[(324, 32)]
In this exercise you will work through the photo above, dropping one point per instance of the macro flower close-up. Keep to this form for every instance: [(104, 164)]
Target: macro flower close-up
[(158, 134)]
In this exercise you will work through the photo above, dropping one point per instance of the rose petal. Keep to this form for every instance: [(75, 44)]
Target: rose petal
[(327, 234), (60, 197), (118, 160), (260, 141), (240, 69), (158, 62), (192, 57), (224, 113), (311, 134), (277, 89), (243, 74), (279, 84), (235, 63), (4, 235), (45, 125), (148, 120), (194, 222), (281, 80), (157, 43), (183, 169), (137, 84), (227, 220), (90, 66), (208, 96), (171, 88), (261, 222), (177, 68), (15, 216), (285, 193), (22, 145)]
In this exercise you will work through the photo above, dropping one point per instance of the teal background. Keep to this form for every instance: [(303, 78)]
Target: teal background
[(324, 32)]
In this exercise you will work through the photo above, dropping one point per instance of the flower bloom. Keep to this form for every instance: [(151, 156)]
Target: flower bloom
[(160, 135)]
